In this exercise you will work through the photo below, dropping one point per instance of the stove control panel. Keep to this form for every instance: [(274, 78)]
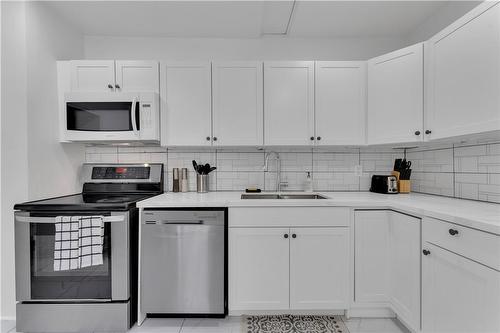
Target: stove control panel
[(121, 172)]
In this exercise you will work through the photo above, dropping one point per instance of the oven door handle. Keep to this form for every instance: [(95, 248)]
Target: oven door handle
[(133, 117), (34, 219)]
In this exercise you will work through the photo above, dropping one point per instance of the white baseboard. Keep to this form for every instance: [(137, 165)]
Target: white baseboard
[(282, 312), (377, 312)]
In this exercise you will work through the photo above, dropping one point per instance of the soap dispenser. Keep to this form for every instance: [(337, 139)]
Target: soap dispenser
[(308, 185)]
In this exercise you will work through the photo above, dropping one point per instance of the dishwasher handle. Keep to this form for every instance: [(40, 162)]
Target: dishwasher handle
[(176, 222)]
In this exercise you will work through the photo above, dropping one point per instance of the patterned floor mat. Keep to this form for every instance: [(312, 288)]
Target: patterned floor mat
[(293, 324)]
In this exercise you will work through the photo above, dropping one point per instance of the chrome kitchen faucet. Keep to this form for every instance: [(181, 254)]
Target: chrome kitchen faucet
[(279, 183)]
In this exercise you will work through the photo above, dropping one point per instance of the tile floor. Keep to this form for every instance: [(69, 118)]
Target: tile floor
[(232, 325)]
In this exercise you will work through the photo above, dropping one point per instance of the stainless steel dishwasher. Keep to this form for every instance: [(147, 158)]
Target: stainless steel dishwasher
[(184, 262)]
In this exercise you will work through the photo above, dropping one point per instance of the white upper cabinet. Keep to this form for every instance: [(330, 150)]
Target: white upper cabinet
[(114, 76), (186, 104), (395, 96), (318, 268), (463, 83), (340, 102), (238, 118), (289, 103), (137, 76), (92, 75)]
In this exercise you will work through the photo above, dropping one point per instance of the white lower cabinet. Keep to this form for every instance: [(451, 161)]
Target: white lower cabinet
[(459, 295), (288, 268), (387, 263), (371, 235), (318, 268), (460, 278), (404, 267), (258, 268)]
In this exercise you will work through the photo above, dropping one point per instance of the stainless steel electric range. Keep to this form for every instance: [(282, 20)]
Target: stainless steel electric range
[(99, 298)]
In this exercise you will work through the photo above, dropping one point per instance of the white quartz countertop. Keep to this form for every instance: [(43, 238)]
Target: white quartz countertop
[(479, 215)]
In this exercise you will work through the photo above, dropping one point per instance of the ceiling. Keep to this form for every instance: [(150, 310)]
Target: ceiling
[(246, 19)]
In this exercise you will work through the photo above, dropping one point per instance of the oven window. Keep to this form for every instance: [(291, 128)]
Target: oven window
[(100, 116), (46, 284)]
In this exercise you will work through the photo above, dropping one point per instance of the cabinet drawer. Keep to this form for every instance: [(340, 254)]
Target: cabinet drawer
[(477, 245), (288, 216)]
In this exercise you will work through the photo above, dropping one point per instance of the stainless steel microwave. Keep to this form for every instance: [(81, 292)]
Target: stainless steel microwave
[(110, 117)]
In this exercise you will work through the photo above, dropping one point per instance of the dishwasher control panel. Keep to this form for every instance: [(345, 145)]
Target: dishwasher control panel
[(183, 217)]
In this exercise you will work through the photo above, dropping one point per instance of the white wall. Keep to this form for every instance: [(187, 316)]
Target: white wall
[(14, 159), (269, 48), (441, 19), (53, 167), (34, 164)]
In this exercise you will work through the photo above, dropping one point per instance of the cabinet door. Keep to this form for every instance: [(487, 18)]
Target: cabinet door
[(137, 76), (459, 295), (464, 75), (258, 269), (405, 268), (92, 75), (289, 103), (186, 101), (237, 103), (395, 96), (340, 102), (319, 269), (371, 249)]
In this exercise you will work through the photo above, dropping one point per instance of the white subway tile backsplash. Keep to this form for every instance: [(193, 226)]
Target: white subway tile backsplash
[(467, 191), (185, 159), (477, 150), (466, 171), (338, 181), (240, 161), (467, 164), (472, 178), (293, 161), (433, 183), (440, 160), (101, 158), (493, 149), (335, 162), (295, 181), (101, 149), (239, 181), (378, 161), (134, 158)]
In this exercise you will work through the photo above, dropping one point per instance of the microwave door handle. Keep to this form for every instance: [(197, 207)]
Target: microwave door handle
[(133, 117)]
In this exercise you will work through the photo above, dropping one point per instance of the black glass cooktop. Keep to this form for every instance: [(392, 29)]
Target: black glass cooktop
[(82, 201)]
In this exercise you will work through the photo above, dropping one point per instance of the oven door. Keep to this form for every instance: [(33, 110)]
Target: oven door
[(92, 117), (36, 279)]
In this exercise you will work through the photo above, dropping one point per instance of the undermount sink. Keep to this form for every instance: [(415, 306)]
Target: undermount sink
[(282, 196)]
